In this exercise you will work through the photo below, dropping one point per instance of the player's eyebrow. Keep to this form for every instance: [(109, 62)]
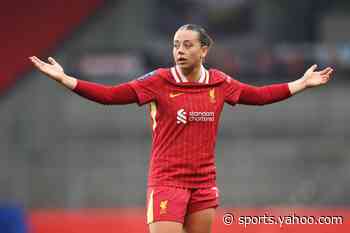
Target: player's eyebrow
[(178, 41)]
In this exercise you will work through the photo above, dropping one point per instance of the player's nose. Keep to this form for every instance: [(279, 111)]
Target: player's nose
[(180, 52)]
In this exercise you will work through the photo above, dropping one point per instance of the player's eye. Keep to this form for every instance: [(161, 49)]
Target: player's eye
[(176, 45), (188, 45)]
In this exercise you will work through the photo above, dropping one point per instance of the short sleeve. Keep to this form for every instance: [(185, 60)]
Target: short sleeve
[(146, 87)]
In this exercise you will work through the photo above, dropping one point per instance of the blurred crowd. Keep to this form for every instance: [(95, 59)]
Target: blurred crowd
[(240, 48), (279, 63)]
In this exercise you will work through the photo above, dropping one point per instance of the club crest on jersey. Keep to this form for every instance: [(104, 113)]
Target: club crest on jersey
[(163, 206), (212, 95), (182, 117), (146, 76)]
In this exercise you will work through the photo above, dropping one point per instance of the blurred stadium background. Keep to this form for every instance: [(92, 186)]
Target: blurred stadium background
[(70, 165)]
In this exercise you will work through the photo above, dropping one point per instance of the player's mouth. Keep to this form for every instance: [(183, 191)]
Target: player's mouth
[(181, 60)]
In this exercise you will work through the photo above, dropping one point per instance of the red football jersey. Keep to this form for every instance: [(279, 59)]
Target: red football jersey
[(185, 117)]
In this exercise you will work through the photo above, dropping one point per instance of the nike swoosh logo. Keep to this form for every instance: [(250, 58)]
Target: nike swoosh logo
[(172, 95)]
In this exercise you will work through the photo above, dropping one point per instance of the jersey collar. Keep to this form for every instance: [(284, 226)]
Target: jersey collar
[(179, 77)]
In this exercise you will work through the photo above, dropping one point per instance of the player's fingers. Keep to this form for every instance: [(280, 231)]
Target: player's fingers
[(35, 61), (325, 71), (312, 68), (38, 61), (52, 61), (31, 59), (330, 71)]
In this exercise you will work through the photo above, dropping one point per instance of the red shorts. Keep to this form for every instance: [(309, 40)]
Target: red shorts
[(173, 204)]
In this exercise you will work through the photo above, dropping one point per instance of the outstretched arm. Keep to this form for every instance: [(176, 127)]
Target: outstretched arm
[(252, 95), (119, 94)]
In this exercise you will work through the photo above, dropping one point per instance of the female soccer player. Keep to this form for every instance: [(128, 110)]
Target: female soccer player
[(185, 106)]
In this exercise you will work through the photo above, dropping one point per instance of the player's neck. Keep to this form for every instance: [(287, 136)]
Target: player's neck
[(191, 74)]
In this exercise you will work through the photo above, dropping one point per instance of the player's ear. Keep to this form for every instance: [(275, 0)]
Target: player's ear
[(204, 51)]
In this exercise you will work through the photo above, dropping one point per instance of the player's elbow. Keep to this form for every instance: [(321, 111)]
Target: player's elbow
[(103, 101), (259, 101), (262, 103)]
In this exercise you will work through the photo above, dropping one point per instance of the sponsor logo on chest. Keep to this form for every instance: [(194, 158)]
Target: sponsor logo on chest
[(183, 117)]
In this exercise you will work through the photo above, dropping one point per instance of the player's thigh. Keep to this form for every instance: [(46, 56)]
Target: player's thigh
[(200, 221), (166, 227)]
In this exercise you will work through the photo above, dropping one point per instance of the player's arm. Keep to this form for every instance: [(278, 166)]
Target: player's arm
[(119, 94), (252, 95)]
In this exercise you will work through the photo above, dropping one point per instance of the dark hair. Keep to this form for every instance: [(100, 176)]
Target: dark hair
[(204, 38)]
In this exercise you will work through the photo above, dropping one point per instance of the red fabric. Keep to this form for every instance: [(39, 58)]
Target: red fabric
[(186, 120), (241, 93), (251, 95), (35, 28), (119, 94), (183, 145), (173, 204), (167, 204)]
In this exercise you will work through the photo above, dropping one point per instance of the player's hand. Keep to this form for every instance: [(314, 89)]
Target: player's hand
[(51, 69), (313, 78)]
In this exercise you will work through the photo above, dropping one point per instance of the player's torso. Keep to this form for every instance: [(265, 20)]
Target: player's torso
[(186, 116), (185, 122), (198, 105)]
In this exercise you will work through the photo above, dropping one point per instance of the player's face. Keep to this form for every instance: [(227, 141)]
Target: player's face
[(187, 49)]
